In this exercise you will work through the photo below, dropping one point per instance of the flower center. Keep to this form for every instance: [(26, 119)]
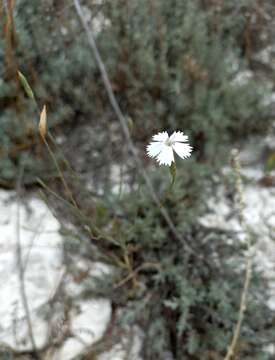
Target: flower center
[(168, 142)]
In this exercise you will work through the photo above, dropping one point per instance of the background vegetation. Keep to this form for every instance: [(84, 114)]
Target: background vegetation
[(186, 65)]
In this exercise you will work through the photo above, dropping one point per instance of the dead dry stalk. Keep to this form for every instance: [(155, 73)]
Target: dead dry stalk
[(248, 266), (21, 269)]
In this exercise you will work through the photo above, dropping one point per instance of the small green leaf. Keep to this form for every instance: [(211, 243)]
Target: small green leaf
[(26, 85), (270, 163), (130, 123), (173, 172)]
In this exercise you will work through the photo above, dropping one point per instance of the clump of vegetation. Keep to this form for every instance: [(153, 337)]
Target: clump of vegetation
[(173, 65), (186, 302)]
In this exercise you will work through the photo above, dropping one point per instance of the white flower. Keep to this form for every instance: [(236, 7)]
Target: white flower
[(162, 147)]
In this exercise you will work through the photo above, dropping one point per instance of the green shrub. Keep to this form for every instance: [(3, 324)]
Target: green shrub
[(172, 65), (186, 304)]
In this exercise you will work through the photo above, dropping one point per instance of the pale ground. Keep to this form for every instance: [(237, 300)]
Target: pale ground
[(45, 276), (42, 259)]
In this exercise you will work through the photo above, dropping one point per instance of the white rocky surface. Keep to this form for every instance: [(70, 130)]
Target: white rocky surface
[(37, 231), (88, 324), (129, 347), (266, 56), (42, 258)]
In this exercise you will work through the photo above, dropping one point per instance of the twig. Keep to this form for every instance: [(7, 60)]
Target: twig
[(135, 272), (66, 187), (36, 234), (124, 126), (84, 219), (248, 266), (21, 272)]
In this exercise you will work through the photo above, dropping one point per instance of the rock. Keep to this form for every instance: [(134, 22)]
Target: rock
[(44, 273)]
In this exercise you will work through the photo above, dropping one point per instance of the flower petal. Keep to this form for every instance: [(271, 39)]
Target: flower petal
[(154, 148), (183, 150), (161, 136), (178, 136), (166, 156)]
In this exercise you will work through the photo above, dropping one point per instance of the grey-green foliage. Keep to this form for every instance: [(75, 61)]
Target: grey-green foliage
[(171, 64), (188, 304), (56, 68), (174, 64)]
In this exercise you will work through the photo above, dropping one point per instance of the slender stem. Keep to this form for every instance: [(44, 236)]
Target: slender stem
[(125, 128), (248, 265), (67, 189), (21, 272)]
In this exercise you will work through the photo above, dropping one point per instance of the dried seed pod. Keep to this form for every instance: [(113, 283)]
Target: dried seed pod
[(43, 122)]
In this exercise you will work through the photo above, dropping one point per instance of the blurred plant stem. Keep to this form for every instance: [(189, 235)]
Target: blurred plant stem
[(248, 266), (21, 269)]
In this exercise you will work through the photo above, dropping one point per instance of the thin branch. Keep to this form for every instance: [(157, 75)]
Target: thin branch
[(35, 236), (248, 272), (136, 271), (20, 263), (64, 182), (124, 126), (83, 218), (248, 264)]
